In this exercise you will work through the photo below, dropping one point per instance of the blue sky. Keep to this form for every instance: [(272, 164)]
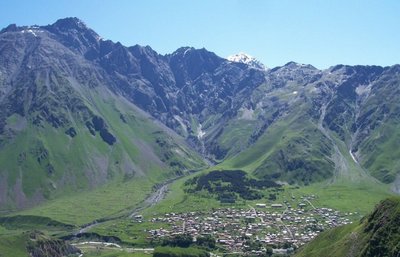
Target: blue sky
[(319, 32)]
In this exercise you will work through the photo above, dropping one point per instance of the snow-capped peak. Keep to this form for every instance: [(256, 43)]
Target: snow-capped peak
[(246, 59)]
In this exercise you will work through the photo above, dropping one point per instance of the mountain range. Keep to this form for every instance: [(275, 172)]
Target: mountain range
[(79, 112)]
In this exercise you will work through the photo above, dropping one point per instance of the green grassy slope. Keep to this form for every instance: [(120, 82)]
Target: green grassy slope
[(369, 126), (379, 153), (377, 234), (84, 207), (90, 177), (13, 245), (34, 243), (292, 150)]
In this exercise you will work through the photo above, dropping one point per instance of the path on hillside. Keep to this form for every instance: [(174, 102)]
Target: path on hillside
[(283, 223), (312, 205)]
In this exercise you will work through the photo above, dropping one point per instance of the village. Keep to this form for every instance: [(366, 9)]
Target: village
[(282, 227)]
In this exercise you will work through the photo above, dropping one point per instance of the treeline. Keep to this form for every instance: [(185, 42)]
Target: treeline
[(186, 240), (166, 251), (227, 183), (184, 245)]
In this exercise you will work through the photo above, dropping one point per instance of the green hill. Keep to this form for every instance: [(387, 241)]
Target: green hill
[(35, 244), (376, 235)]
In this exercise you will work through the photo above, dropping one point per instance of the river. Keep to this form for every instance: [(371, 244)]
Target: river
[(149, 201)]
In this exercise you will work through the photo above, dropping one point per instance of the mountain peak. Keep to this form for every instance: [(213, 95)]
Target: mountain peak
[(201, 55), (70, 23), (10, 28), (246, 59), (74, 33), (188, 50), (295, 65)]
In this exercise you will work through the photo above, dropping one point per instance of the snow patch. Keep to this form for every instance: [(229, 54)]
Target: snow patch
[(200, 132), (295, 92), (246, 114), (396, 185), (363, 89), (187, 50), (179, 152), (179, 119), (246, 59), (31, 31), (353, 157)]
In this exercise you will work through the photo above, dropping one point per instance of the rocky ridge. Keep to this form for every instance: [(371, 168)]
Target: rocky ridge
[(293, 123)]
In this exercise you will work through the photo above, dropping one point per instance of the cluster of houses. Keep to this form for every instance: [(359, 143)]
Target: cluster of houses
[(280, 226)]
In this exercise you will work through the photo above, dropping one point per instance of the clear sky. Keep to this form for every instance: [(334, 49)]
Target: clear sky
[(318, 32)]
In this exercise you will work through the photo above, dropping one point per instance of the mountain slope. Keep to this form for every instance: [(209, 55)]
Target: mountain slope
[(64, 129), (306, 125), (224, 108), (80, 111), (376, 235)]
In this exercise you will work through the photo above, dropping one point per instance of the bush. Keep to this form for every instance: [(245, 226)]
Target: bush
[(179, 252), (182, 240), (206, 241), (230, 182)]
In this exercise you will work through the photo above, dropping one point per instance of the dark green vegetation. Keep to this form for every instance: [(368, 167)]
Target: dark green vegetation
[(179, 252), (376, 235), (226, 185), (40, 246), (35, 244), (30, 222), (186, 240), (14, 245)]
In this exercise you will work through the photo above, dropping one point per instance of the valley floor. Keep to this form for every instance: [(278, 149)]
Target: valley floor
[(296, 216)]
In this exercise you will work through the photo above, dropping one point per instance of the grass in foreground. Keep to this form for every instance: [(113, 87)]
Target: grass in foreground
[(344, 197), (102, 202), (376, 235), (13, 245)]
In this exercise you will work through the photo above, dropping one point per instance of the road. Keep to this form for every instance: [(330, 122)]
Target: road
[(283, 223), (312, 205), (83, 246)]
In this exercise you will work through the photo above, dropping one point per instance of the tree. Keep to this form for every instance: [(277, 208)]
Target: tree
[(269, 251), (181, 240), (206, 241)]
